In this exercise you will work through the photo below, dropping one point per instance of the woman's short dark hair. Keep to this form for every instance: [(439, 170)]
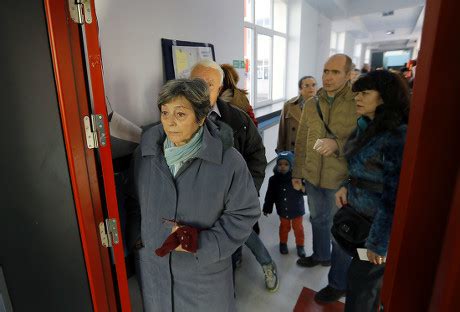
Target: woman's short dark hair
[(396, 98), (193, 90), (303, 78)]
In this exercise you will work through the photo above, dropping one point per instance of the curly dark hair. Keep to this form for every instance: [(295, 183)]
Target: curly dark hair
[(392, 113)]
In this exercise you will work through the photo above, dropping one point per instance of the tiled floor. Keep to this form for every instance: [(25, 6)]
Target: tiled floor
[(251, 295)]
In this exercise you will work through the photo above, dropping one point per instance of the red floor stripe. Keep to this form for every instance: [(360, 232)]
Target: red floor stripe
[(307, 303)]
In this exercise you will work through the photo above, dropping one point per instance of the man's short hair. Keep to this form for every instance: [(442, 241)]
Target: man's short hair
[(210, 64), (348, 61)]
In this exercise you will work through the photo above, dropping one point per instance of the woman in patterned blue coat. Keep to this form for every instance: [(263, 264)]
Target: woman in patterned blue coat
[(374, 154)]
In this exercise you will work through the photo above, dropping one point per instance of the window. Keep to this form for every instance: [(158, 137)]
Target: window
[(265, 46), (357, 55), (367, 56), (337, 44)]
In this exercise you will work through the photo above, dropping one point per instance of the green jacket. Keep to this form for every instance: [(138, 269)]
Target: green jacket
[(340, 116)]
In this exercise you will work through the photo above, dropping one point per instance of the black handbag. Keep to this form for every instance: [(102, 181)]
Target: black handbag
[(350, 229)]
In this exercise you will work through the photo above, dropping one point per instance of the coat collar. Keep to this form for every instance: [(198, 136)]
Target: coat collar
[(229, 116), (346, 93), (211, 148)]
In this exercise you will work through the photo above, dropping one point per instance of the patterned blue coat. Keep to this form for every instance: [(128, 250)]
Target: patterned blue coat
[(378, 161)]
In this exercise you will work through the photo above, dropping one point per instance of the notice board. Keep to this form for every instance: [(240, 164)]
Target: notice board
[(180, 56)]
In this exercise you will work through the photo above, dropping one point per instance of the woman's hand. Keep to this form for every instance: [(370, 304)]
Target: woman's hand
[(341, 197), (178, 248), (375, 258)]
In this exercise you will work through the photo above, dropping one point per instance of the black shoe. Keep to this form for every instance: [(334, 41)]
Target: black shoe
[(283, 249), (301, 252), (329, 294), (309, 262)]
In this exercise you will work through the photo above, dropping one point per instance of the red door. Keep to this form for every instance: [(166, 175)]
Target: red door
[(78, 73), (422, 273)]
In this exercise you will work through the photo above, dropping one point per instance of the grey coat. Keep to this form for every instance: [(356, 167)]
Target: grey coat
[(214, 192)]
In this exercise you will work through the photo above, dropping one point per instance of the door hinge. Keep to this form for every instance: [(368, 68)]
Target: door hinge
[(109, 232), (80, 11), (95, 131)]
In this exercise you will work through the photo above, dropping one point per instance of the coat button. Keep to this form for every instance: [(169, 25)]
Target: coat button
[(292, 143), (284, 189), (285, 199), (293, 128)]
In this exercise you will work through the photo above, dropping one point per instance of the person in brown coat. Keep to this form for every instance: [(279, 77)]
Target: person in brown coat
[(291, 113), (327, 121), (230, 93)]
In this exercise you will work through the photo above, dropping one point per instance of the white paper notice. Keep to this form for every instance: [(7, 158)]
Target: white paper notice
[(362, 253)]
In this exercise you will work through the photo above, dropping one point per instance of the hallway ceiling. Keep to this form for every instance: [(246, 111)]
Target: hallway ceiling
[(365, 21)]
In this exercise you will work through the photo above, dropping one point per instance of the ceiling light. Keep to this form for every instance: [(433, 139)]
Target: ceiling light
[(390, 32), (388, 13)]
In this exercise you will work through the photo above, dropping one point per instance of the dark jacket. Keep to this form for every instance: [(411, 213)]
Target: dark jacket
[(289, 202), (214, 192), (247, 140), (378, 162)]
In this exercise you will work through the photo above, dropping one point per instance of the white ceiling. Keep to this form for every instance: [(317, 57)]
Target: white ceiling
[(364, 21)]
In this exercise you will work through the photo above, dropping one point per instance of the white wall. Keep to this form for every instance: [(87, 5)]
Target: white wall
[(309, 36), (130, 33), (294, 30), (308, 42), (349, 48), (323, 42)]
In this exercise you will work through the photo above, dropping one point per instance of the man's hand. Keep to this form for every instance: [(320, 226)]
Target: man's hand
[(341, 197), (328, 147), (297, 184)]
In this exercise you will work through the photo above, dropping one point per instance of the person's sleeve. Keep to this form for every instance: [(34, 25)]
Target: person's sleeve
[(379, 235), (269, 197), (255, 154), (281, 145), (300, 145), (231, 230), (133, 212)]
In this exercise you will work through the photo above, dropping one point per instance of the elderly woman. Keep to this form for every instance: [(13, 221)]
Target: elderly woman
[(374, 154), (189, 178)]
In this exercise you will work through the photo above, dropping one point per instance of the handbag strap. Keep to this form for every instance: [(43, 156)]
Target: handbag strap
[(320, 113)]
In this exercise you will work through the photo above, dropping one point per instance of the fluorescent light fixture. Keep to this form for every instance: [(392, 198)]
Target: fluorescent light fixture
[(390, 32)]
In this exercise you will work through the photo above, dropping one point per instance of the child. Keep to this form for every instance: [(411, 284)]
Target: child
[(289, 203)]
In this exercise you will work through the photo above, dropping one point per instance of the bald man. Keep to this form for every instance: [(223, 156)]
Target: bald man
[(326, 123)]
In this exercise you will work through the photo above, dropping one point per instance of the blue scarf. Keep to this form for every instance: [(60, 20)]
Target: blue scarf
[(176, 156), (363, 124)]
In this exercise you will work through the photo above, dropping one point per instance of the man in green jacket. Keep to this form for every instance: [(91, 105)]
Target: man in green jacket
[(326, 123)]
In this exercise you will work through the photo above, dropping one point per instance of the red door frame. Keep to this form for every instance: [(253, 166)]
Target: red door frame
[(68, 63), (429, 173), (93, 53)]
